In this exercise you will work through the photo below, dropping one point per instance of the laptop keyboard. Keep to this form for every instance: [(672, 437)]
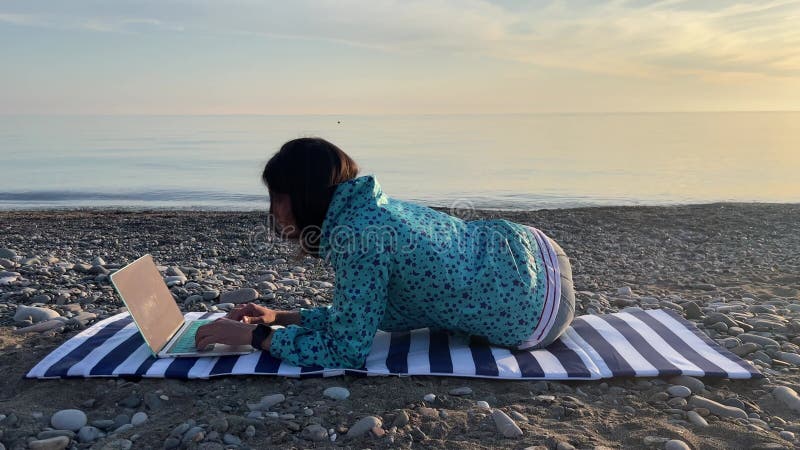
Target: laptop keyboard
[(185, 343)]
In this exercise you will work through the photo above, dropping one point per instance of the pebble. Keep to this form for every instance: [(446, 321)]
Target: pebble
[(88, 434), (231, 439), (195, 434), (505, 425), (675, 444), (122, 419), (315, 433), (239, 296), (758, 339), (401, 419), (788, 435), (68, 419), (336, 393), (466, 390), (362, 426), (625, 290), (429, 398), (679, 391), (482, 405), (7, 253), (117, 444), (266, 402), (210, 294), (35, 313), (788, 397), (717, 408), (696, 419), (47, 434), (139, 418), (694, 384), (55, 443), (41, 327), (792, 358)]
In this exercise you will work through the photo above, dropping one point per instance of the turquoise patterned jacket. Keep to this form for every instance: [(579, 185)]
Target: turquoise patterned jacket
[(402, 266)]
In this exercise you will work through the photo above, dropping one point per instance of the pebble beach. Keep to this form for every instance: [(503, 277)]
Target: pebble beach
[(732, 269)]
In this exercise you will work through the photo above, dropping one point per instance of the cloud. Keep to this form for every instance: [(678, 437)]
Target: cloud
[(632, 38)]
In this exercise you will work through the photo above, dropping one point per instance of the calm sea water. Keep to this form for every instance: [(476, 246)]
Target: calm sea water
[(492, 161)]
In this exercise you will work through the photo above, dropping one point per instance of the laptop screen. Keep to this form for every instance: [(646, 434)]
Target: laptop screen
[(149, 301)]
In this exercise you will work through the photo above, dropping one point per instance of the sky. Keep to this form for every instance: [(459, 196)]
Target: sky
[(397, 57)]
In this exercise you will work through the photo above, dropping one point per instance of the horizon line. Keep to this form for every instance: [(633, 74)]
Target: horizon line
[(3, 114)]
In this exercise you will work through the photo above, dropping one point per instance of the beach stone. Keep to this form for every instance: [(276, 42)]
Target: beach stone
[(139, 418), (239, 296), (717, 408), (7, 253), (505, 425), (792, 358), (103, 424), (194, 434), (54, 443), (88, 434), (131, 401), (401, 419), (171, 442), (465, 390), (679, 391), (696, 419), (625, 290), (123, 428), (210, 294), (692, 311), (429, 398), (8, 264), (117, 444), (675, 444), (362, 426), (250, 431), (315, 433), (36, 313), (231, 439), (47, 434), (696, 386), (68, 419), (788, 435), (336, 393), (41, 327), (121, 419), (744, 349), (788, 397), (757, 339), (266, 402)]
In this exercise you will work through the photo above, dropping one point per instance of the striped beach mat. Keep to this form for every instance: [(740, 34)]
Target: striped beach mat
[(641, 343)]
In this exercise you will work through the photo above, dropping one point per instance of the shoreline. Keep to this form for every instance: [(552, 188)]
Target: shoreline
[(202, 209), (732, 269)]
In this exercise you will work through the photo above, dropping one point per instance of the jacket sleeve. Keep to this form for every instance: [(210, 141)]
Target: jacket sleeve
[(348, 327), (314, 318)]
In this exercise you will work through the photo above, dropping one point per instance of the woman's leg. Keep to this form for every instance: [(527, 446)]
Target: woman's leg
[(566, 307)]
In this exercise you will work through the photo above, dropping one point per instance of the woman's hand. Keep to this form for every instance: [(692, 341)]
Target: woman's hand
[(224, 331), (253, 314)]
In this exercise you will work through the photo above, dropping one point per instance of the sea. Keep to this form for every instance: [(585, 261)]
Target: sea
[(493, 161)]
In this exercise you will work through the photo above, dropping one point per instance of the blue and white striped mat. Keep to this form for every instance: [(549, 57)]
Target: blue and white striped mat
[(640, 343)]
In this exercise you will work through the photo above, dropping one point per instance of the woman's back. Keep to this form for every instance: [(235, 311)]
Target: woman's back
[(478, 277)]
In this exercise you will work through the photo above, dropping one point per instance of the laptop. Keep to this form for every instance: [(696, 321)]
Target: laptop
[(162, 325)]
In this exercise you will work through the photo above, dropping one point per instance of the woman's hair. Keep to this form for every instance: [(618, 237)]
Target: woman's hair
[(308, 170)]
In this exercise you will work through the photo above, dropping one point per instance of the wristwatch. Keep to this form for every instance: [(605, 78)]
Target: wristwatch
[(260, 334)]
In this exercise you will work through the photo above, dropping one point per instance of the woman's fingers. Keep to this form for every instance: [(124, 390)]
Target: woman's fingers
[(240, 311)]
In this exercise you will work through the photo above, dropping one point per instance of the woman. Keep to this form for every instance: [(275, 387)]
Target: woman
[(399, 266)]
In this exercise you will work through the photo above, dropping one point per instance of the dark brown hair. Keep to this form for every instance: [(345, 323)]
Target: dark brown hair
[(308, 170)]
